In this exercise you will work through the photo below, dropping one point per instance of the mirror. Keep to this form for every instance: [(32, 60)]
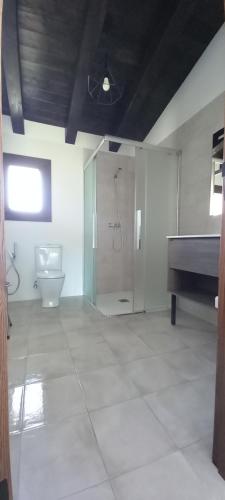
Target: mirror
[(216, 180)]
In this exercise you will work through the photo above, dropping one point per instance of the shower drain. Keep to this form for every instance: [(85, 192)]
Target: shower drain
[(123, 300)]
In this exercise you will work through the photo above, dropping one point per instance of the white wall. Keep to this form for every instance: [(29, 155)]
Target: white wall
[(48, 142), (204, 83)]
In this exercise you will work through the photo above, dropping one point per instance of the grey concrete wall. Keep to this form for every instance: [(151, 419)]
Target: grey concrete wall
[(114, 266), (194, 138)]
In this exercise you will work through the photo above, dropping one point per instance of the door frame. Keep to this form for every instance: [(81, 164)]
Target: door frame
[(219, 419), (5, 472)]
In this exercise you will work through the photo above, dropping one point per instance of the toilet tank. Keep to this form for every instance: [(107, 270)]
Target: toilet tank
[(48, 257)]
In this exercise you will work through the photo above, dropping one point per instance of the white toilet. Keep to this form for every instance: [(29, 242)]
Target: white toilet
[(50, 278)]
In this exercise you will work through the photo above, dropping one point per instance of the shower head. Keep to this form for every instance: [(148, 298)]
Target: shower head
[(117, 173)]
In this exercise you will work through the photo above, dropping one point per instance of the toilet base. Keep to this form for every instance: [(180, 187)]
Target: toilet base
[(50, 288), (50, 303)]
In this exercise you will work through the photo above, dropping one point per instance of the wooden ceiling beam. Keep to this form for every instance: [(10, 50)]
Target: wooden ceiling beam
[(149, 78), (11, 65), (95, 17)]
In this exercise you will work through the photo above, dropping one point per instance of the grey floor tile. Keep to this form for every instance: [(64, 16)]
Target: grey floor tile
[(47, 343), (20, 319), (127, 346), (129, 436), (208, 351), (114, 328), (15, 449), (196, 338), (92, 357), (107, 386), (152, 374), (199, 457), (45, 366), (76, 301), (163, 342), (88, 324), (45, 327), (52, 401), (41, 314), (185, 410), (171, 478), (17, 346), (16, 371), (72, 312), (95, 315), (101, 492), (153, 323), (84, 336), (190, 321), (190, 364), (19, 330), (135, 320), (16, 399), (110, 356), (61, 459), (72, 323)]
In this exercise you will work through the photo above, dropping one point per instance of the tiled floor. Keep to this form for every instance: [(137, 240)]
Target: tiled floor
[(111, 408)]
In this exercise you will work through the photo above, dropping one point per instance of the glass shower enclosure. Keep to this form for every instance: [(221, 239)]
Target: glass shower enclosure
[(90, 232), (130, 205)]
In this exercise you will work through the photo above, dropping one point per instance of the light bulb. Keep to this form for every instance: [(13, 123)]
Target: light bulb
[(106, 84)]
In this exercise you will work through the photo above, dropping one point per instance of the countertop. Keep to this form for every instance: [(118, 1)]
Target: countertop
[(182, 236)]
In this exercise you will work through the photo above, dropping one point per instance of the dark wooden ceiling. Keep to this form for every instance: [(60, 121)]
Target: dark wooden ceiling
[(50, 47)]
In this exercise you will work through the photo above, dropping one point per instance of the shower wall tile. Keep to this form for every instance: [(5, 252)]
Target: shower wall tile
[(114, 269)]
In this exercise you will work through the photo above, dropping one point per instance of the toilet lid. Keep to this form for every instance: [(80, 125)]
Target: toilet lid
[(50, 274)]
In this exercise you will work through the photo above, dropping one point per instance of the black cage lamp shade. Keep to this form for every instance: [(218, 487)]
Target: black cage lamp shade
[(103, 87)]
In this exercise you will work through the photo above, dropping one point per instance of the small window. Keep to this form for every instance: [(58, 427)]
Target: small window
[(27, 188)]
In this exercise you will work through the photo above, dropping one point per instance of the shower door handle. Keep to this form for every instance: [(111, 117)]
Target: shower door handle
[(138, 229), (94, 231)]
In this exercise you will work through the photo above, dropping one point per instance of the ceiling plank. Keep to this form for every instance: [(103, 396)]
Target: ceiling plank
[(11, 65), (95, 17), (154, 65)]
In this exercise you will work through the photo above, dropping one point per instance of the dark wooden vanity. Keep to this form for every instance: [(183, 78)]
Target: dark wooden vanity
[(193, 263)]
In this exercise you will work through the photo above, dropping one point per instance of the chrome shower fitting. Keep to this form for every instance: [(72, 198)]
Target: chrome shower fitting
[(117, 173)]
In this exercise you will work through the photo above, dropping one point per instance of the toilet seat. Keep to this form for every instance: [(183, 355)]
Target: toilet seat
[(50, 274)]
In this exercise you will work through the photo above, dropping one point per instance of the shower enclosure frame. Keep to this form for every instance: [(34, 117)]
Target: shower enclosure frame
[(140, 146)]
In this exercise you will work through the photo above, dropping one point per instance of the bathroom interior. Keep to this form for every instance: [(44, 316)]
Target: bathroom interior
[(125, 251), (113, 191)]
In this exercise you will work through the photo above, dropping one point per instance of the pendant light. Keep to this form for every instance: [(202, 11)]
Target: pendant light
[(102, 86)]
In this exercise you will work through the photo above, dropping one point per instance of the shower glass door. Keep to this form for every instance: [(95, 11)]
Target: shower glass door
[(139, 231), (156, 202), (90, 231)]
